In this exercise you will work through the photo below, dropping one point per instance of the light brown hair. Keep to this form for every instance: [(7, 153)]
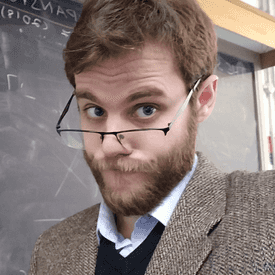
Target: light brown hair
[(107, 28)]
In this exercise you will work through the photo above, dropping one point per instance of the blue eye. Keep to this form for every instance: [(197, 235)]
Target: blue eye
[(95, 112), (146, 111)]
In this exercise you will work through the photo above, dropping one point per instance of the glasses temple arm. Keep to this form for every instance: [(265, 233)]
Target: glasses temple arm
[(184, 104), (64, 112)]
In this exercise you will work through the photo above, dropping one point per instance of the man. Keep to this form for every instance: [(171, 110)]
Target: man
[(134, 66)]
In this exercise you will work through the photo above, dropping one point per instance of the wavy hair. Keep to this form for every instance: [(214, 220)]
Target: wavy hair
[(108, 28)]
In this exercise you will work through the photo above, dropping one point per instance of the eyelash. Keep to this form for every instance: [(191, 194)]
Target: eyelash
[(152, 105)]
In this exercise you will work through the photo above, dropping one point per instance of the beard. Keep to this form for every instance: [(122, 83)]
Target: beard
[(159, 177)]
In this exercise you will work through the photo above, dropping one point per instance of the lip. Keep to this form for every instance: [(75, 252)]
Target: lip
[(123, 172), (119, 172)]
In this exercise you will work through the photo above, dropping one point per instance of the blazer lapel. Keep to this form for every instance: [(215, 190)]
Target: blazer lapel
[(81, 258), (185, 244)]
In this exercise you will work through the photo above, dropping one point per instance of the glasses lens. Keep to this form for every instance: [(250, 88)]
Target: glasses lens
[(141, 138), (76, 139), (134, 139), (71, 122), (72, 139)]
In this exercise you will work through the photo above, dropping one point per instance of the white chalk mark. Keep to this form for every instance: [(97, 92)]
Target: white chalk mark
[(42, 126), (61, 185), (66, 33), (31, 154), (22, 271), (28, 96), (77, 177), (69, 170), (49, 220), (8, 77)]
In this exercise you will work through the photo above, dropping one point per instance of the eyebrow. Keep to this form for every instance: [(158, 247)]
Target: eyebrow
[(86, 95), (150, 92), (142, 94)]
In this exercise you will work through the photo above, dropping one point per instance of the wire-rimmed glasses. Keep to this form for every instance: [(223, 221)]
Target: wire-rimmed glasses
[(74, 137)]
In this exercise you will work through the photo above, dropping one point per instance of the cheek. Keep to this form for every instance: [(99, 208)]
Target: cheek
[(179, 131), (91, 142), (175, 139), (83, 122)]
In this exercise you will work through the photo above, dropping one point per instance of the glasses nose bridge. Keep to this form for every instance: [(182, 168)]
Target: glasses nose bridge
[(112, 133)]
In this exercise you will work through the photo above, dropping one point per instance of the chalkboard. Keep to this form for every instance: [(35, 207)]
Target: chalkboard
[(41, 180), (229, 136)]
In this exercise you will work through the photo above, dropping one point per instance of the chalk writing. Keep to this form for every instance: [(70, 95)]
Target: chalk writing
[(49, 7), (7, 13), (66, 33), (45, 29)]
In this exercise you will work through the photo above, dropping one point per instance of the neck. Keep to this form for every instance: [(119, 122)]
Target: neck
[(126, 225)]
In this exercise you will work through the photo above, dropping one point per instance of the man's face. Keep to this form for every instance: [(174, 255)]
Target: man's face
[(142, 89)]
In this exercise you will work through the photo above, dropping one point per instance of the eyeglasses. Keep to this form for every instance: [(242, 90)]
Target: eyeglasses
[(74, 138)]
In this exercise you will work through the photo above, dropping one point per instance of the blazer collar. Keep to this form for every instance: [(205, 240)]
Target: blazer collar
[(185, 244), (80, 255)]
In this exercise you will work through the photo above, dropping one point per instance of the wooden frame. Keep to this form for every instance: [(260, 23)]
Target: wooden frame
[(243, 19), (268, 59)]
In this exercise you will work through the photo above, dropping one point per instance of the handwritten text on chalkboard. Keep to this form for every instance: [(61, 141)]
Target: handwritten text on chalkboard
[(12, 14), (49, 8)]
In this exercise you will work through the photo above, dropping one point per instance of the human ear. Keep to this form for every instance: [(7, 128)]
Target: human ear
[(206, 98)]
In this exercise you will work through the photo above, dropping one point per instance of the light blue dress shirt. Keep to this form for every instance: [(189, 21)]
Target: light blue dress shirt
[(106, 224)]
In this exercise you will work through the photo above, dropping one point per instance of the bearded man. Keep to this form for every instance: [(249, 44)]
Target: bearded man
[(143, 78)]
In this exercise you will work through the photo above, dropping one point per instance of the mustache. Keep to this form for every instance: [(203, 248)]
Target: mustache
[(123, 165)]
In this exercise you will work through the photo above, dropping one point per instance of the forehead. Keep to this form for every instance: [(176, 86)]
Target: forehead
[(152, 64), (150, 52)]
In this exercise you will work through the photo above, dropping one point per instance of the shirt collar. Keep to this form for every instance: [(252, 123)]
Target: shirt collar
[(164, 210), (106, 221)]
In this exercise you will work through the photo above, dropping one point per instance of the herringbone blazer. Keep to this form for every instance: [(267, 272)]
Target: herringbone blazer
[(222, 224)]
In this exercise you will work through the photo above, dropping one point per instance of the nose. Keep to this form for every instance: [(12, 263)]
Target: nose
[(111, 146)]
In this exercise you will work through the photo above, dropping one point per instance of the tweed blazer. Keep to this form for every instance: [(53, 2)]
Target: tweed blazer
[(222, 224)]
